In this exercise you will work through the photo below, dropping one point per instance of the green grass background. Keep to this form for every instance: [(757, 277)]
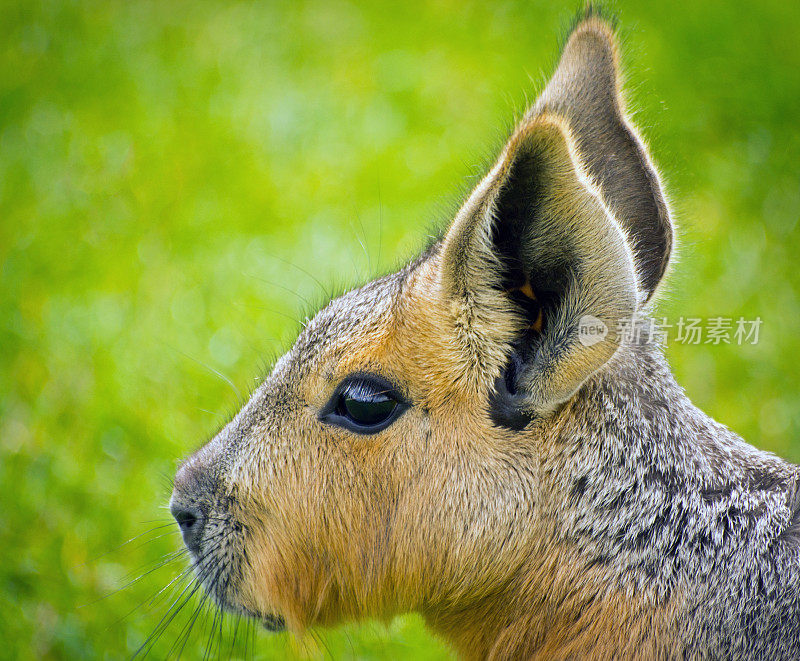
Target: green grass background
[(171, 172)]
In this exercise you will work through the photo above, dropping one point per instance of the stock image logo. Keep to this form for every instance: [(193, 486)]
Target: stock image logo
[(591, 330)]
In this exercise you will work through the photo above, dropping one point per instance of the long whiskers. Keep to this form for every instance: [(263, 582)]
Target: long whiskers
[(215, 578)]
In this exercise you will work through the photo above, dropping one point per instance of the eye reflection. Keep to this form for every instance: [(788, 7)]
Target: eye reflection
[(364, 404)]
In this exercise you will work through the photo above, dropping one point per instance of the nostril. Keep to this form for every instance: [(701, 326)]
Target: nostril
[(190, 520), (185, 519)]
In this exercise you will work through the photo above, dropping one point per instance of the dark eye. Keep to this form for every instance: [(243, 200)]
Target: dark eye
[(366, 408), (364, 404)]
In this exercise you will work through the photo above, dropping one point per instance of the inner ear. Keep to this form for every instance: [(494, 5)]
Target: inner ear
[(535, 283), (514, 208), (507, 404)]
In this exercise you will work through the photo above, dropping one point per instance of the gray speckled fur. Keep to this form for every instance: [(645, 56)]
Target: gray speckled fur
[(677, 504)]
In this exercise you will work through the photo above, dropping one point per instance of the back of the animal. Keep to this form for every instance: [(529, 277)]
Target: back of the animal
[(491, 436)]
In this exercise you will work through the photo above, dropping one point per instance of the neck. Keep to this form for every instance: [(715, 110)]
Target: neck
[(566, 615), (638, 486)]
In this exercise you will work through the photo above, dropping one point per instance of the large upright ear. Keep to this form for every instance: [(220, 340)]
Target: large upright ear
[(538, 275), (584, 91)]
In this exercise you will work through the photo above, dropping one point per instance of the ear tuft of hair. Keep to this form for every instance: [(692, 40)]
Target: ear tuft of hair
[(590, 10)]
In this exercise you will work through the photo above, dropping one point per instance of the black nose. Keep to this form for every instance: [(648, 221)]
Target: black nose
[(191, 521)]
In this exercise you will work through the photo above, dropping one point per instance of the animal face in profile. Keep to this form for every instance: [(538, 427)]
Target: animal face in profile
[(397, 457)]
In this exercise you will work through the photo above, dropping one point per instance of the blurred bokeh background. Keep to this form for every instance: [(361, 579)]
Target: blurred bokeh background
[(180, 182)]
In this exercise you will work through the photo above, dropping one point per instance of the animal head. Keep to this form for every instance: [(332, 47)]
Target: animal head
[(394, 459)]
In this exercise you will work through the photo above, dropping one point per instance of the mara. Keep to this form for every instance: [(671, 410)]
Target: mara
[(475, 438)]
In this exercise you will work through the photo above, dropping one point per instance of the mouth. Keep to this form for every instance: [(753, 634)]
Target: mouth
[(270, 621), (273, 623), (218, 578)]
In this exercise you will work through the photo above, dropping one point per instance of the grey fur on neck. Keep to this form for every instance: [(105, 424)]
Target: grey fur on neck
[(677, 506)]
